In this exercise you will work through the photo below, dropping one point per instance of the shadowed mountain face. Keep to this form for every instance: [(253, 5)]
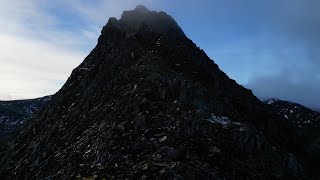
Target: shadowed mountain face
[(301, 117), (147, 102), (306, 123), (13, 114)]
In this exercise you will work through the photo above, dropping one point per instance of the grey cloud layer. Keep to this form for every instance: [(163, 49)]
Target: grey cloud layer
[(295, 46)]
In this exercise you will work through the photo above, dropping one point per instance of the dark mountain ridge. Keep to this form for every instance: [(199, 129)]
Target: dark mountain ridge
[(147, 102), (305, 121), (300, 116)]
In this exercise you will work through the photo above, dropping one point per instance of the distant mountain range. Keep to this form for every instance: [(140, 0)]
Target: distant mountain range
[(13, 114)]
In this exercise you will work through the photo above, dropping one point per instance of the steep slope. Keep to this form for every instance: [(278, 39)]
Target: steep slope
[(147, 102), (13, 114)]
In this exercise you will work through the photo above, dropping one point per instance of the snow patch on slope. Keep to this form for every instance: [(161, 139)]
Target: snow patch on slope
[(219, 119)]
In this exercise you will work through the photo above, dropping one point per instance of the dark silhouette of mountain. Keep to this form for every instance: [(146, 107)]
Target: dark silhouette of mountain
[(147, 103), (13, 114)]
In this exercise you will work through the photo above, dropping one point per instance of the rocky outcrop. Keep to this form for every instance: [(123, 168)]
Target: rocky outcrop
[(147, 103)]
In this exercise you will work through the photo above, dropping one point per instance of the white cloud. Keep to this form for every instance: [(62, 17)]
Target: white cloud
[(42, 41), (31, 68), (33, 56)]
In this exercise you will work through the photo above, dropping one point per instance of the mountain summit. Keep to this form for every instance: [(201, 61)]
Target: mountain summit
[(145, 103), (142, 19)]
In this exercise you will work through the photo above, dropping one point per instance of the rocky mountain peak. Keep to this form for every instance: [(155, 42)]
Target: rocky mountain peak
[(141, 8), (142, 19), (145, 103)]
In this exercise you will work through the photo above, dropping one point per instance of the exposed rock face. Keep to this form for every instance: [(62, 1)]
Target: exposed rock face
[(13, 114), (146, 103)]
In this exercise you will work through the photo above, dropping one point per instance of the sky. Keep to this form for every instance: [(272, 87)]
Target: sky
[(269, 46)]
